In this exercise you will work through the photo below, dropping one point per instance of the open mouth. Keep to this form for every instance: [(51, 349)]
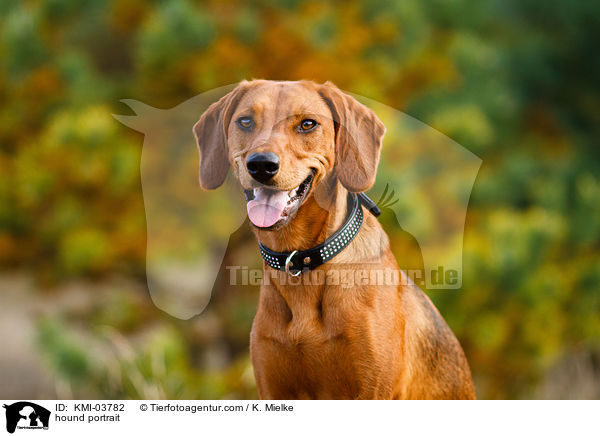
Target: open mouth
[(268, 207)]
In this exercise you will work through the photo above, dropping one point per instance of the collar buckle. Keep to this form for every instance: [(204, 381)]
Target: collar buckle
[(288, 263)]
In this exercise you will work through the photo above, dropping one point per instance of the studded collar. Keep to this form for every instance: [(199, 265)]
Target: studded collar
[(297, 261)]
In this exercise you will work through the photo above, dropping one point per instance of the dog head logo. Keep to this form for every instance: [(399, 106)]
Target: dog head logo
[(26, 415), (188, 228)]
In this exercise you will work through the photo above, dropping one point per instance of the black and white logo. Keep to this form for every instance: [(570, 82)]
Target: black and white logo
[(26, 415)]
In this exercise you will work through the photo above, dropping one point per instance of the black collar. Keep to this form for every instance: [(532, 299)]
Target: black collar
[(296, 261)]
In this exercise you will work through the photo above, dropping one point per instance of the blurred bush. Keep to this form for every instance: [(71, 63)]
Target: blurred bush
[(515, 82)]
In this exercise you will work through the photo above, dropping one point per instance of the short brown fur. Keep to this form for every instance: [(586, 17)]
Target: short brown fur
[(327, 341)]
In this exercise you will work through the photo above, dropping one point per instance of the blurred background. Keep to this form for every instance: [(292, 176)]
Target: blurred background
[(513, 81)]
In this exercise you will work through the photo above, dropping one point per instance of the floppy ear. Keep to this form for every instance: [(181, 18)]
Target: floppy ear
[(211, 136), (358, 136)]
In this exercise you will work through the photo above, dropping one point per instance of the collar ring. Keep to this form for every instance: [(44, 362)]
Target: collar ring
[(288, 263)]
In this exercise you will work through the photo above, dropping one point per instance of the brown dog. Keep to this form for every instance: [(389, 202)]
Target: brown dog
[(298, 148)]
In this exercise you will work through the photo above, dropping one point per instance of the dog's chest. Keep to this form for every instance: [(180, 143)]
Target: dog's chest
[(314, 353)]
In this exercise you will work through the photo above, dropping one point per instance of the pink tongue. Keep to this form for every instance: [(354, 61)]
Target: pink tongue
[(267, 207)]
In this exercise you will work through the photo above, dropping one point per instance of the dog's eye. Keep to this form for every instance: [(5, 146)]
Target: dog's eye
[(307, 125), (245, 123)]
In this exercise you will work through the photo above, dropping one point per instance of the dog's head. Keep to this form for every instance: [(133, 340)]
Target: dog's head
[(283, 139)]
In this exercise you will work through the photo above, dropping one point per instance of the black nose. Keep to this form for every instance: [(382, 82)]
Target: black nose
[(263, 166)]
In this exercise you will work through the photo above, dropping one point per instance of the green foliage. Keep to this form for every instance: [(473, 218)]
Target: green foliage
[(515, 82), (158, 370), (176, 29), (68, 356)]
